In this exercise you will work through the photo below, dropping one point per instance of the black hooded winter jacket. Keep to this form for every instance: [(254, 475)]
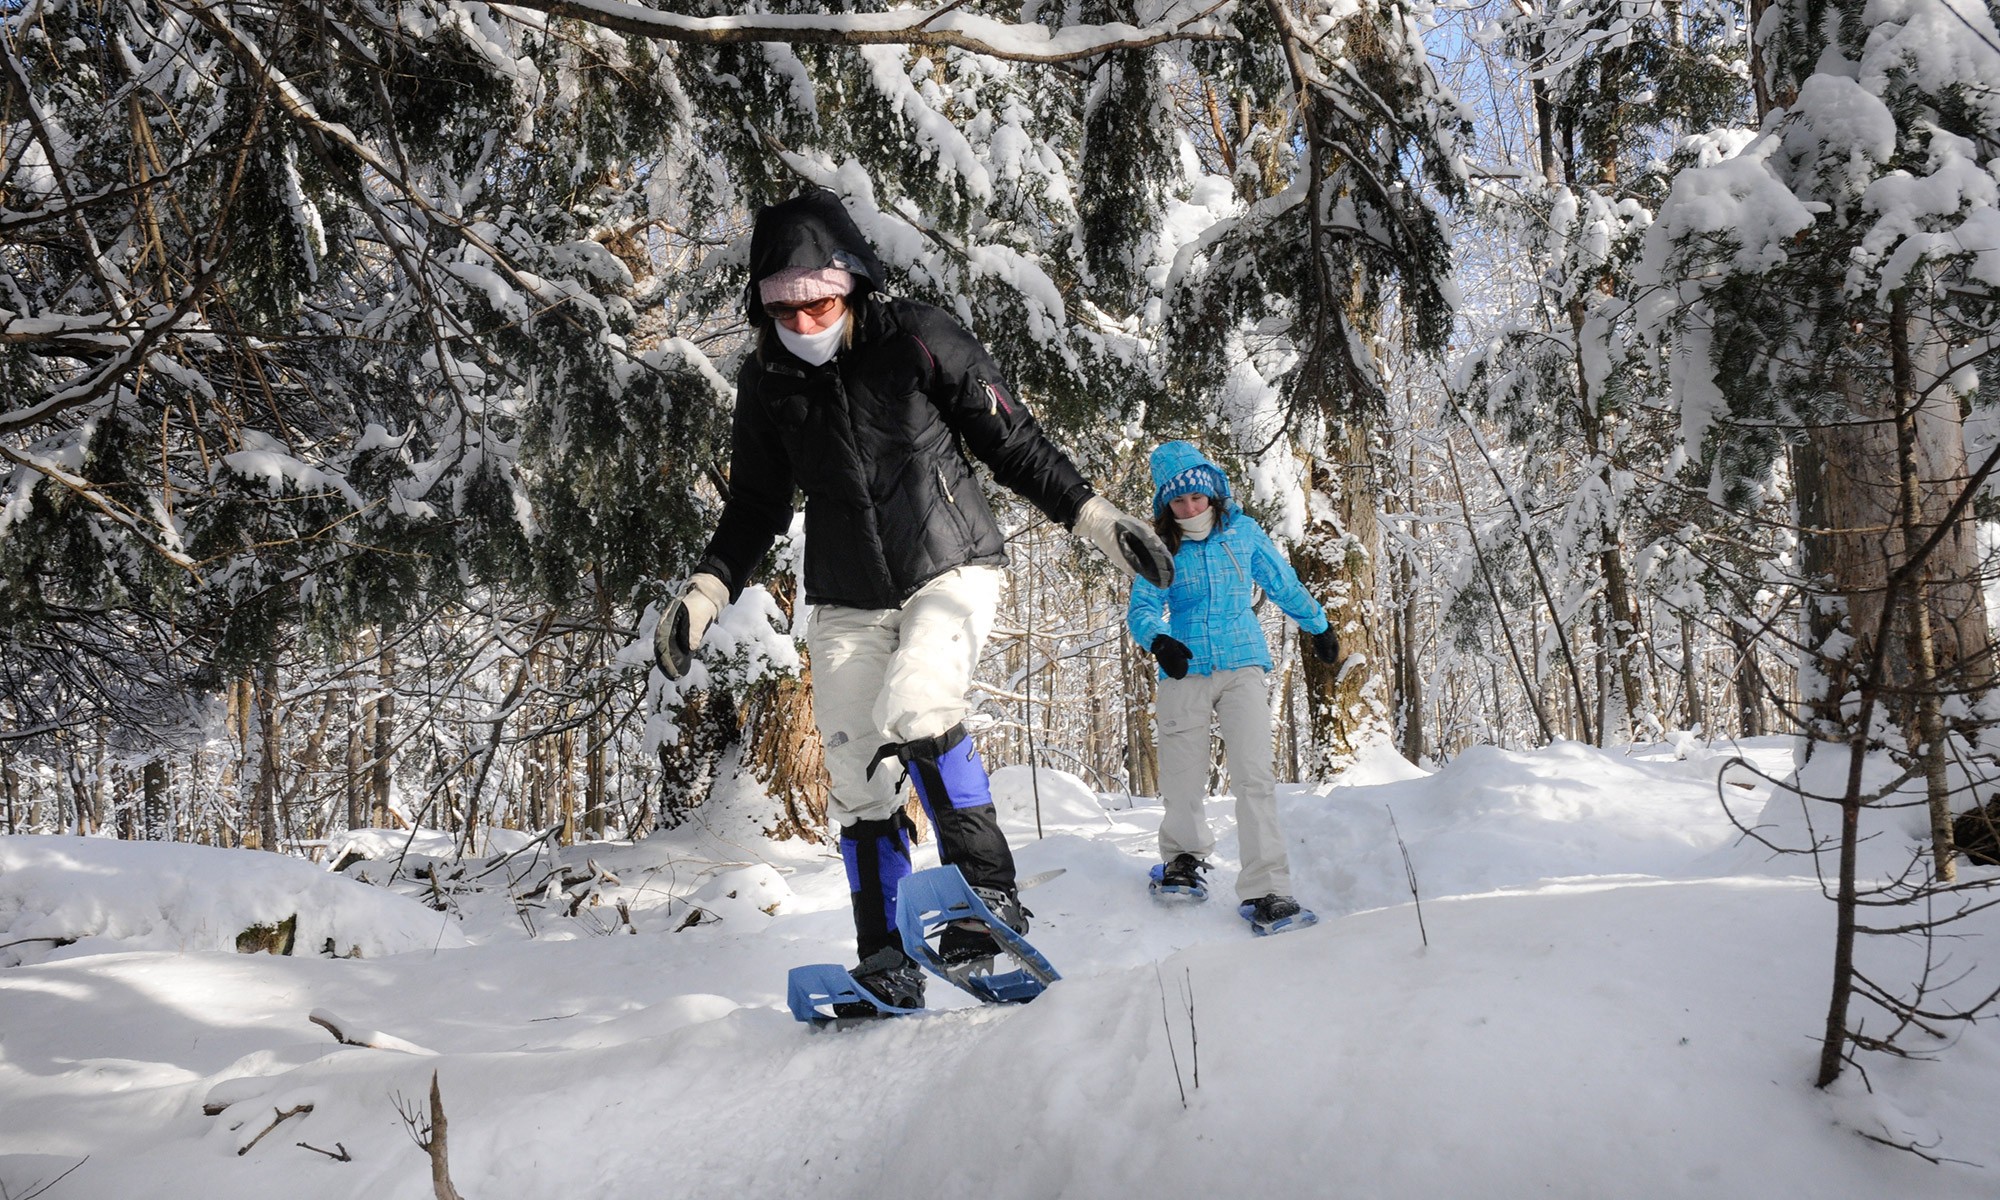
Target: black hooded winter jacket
[(876, 438)]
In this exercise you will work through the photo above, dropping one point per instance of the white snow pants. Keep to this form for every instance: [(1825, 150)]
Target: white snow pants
[(1241, 705), (885, 675)]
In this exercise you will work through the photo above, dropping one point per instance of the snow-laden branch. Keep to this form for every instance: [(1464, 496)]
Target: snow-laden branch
[(115, 369), (88, 493), (303, 112), (943, 26)]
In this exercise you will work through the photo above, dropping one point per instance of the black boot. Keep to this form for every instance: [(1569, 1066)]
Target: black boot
[(971, 941), (892, 977)]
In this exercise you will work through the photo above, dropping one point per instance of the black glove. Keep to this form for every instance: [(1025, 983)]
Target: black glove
[(1174, 657), (1326, 645)]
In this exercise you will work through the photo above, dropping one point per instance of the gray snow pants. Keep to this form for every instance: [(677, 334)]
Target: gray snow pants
[(1241, 705)]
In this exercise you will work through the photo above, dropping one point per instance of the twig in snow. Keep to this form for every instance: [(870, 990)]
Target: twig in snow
[(1410, 873), (1920, 1149), (39, 1187), (338, 1153), (426, 1127), (53, 941), (279, 1118), (1194, 1042), (1172, 1054), (541, 842), (348, 1034)]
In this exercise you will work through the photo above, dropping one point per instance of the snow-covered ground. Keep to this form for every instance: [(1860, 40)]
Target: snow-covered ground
[(1617, 1000)]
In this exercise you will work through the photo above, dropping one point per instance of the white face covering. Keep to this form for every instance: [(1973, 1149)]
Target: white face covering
[(1198, 525), (815, 348)]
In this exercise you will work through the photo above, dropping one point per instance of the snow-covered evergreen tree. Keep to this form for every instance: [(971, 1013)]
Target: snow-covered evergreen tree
[(1610, 86)]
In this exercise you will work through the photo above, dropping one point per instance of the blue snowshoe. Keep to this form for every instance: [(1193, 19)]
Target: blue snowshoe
[(1179, 880), (820, 992), (886, 984), (1275, 914), (939, 903)]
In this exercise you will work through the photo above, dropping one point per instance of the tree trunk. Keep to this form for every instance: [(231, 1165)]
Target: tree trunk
[(566, 781), (128, 808), (782, 748), (1935, 644), (1409, 672), (1748, 681), (1697, 714), (593, 777), (1915, 447), (1619, 625), (9, 788), (1142, 752), (153, 789), (1336, 562), (1622, 634), (92, 818), (357, 760), (1865, 539), (382, 781), (781, 744), (270, 727)]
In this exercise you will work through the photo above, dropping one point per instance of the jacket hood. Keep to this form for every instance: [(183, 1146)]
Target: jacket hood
[(810, 230), (1180, 468)]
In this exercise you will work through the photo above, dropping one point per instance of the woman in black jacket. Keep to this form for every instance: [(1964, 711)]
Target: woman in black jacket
[(868, 404)]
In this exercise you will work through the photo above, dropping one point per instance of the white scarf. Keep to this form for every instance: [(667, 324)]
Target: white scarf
[(815, 348), (1198, 525)]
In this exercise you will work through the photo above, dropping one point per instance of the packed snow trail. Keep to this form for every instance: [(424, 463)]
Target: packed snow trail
[(1614, 1002)]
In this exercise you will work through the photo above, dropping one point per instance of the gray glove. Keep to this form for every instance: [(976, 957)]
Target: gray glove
[(686, 618), (1128, 542)]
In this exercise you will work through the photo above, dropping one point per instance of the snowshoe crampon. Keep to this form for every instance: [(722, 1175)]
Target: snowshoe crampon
[(818, 991), (929, 901), (1275, 914)]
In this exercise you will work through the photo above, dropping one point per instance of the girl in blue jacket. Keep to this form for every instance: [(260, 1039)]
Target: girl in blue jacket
[(1213, 659)]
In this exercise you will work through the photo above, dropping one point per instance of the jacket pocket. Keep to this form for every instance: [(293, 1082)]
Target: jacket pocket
[(953, 500)]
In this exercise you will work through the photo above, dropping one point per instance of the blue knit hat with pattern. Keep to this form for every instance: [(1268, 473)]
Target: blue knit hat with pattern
[(1180, 469)]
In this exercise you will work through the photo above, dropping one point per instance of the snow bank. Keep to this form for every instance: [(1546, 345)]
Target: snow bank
[(1378, 762), (1493, 819), (1066, 801), (379, 845), (110, 896), (1604, 1033)]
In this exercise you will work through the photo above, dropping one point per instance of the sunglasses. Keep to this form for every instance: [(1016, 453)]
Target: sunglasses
[(815, 309)]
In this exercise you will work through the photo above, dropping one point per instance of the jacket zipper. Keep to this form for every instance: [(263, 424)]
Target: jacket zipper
[(945, 485), (1234, 563)]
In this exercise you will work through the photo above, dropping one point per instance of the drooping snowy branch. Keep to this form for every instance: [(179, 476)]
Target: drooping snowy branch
[(945, 27)]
